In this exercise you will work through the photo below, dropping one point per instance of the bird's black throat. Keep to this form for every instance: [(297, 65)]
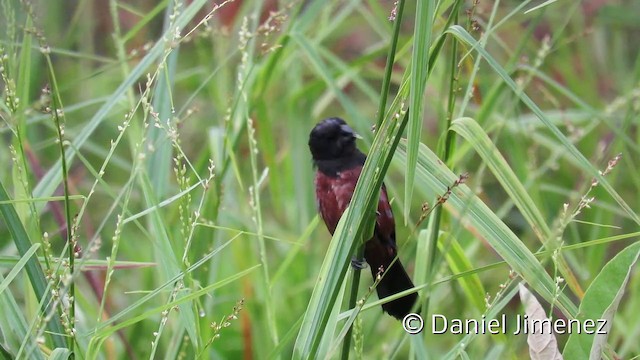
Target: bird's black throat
[(333, 167)]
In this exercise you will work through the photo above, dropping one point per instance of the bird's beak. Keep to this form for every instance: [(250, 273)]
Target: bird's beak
[(346, 128)]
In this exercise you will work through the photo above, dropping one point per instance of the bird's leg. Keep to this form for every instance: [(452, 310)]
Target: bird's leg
[(358, 263)]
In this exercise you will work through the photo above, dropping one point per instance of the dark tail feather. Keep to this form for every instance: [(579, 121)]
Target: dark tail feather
[(394, 281)]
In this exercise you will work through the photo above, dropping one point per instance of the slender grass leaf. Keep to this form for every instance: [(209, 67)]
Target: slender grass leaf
[(494, 312), (318, 64), (459, 263), (584, 163), (60, 354), (14, 325), (5, 354), (34, 271), (105, 332), (159, 162), (19, 266), (52, 178), (476, 136), (419, 72), (433, 177), (89, 264)]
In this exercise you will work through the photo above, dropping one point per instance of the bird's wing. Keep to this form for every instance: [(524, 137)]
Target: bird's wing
[(385, 224)]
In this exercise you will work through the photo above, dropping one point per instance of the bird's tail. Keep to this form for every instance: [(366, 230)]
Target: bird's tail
[(394, 281)]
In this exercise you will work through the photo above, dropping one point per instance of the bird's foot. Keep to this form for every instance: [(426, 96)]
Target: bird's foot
[(358, 263)]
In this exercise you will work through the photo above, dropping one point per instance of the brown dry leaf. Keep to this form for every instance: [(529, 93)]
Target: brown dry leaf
[(542, 342)]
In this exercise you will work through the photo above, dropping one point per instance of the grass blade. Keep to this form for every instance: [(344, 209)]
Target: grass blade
[(52, 178), (419, 71), (476, 136), (18, 267), (36, 275), (433, 177), (14, 325), (465, 37)]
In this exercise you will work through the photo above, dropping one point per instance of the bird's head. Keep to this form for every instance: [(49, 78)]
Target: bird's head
[(332, 139)]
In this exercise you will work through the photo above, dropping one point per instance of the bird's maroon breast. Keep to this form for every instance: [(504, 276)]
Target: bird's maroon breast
[(333, 194)]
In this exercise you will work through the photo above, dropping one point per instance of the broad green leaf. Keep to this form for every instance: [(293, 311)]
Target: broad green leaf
[(600, 303)]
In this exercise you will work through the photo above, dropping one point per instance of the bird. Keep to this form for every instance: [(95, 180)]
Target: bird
[(338, 163)]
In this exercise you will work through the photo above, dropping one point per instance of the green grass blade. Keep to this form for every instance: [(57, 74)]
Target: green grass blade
[(18, 267), (182, 300), (36, 275), (322, 70), (52, 178), (476, 136), (105, 332), (88, 264), (433, 177), (14, 325), (159, 162), (60, 354), (325, 293), (584, 163), (388, 70), (168, 257), (419, 71), (494, 312), (459, 263)]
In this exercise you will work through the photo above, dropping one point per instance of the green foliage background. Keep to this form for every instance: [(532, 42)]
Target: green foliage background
[(171, 139)]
